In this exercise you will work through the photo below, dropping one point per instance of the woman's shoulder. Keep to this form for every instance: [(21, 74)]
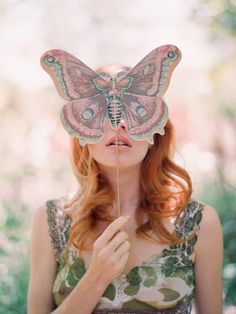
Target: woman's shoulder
[(197, 216), (189, 218), (53, 206), (209, 230), (209, 247), (210, 222), (56, 209), (207, 215)]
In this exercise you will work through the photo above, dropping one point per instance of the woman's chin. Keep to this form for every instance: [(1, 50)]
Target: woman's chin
[(122, 165)]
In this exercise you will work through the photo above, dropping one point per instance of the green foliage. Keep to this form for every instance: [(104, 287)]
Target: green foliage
[(230, 292), (14, 262), (218, 16), (219, 19), (13, 287)]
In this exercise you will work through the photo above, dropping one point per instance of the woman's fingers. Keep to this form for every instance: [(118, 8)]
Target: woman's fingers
[(122, 249), (123, 260), (117, 240), (111, 250), (111, 230)]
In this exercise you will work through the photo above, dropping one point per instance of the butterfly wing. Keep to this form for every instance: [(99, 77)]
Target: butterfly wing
[(85, 119), (72, 78), (85, 114), (144, 109), (151, 76), (144, 116)]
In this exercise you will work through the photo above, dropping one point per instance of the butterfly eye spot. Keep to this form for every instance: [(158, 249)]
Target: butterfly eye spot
[(87, 114), (171, 55), (141, 111), (50, 59)]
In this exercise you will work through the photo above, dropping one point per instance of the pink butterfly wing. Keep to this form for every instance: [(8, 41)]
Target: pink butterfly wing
[(144, 116), (72, 78), (144, 109), (84, 116), (85, 119), (151, 76)]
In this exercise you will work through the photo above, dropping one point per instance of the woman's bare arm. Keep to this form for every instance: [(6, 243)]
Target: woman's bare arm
[(208, 264), (85, 296), (43, 266)]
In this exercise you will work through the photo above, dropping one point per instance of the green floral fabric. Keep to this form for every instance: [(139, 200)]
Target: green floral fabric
[(162, 284)]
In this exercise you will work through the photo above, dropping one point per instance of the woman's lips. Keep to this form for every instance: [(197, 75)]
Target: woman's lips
[(118, 139), (119, 148), (118, 143)]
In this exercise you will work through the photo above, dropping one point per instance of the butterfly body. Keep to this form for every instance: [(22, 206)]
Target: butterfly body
[(114, 94), (95, 98)]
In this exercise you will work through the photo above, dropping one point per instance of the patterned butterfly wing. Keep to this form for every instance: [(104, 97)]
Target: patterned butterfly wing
[(144, 116), (142, 88), (85, 119), (72, 78), (85, 114)]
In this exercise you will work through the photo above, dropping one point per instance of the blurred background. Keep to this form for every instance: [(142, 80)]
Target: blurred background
[(34, 158)]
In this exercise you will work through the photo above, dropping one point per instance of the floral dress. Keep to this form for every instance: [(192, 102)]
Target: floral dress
[(162, 284)]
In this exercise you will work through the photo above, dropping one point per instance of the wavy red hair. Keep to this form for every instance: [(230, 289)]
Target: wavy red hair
[(165, 191)]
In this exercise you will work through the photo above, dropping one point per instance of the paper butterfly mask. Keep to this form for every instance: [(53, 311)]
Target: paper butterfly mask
[(95, 98)]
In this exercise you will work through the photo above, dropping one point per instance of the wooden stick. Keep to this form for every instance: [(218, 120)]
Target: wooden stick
[(117, 178), (118, 195)]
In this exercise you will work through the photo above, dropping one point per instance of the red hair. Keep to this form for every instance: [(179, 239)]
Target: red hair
[(165, 189)]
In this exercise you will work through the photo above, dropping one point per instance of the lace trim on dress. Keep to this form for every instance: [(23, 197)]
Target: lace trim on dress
[(189, 220), (59, 224)]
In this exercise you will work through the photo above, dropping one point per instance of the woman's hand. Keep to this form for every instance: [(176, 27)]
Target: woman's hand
[(111, 251)]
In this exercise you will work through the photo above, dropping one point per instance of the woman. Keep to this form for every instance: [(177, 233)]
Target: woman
[(163, 250)]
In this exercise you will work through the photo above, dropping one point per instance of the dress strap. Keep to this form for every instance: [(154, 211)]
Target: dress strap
[(59, 224), (188, 222)]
